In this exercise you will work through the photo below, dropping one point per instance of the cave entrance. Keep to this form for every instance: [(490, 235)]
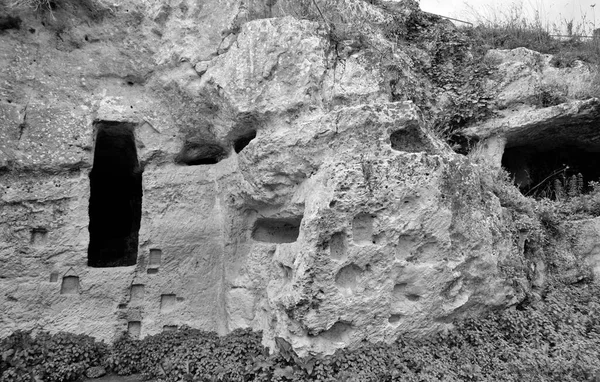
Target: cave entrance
[(554, 172), (115, 197)]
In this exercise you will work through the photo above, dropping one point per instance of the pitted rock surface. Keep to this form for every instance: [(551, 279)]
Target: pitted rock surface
[(280, 191)]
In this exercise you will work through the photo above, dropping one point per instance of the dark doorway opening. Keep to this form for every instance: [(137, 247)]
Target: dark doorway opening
[(115, 197), (553, 172)]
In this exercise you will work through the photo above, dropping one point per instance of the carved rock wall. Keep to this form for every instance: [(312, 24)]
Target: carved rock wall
[(279, 192)]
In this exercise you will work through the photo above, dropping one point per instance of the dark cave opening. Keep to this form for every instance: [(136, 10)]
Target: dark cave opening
[(240, 143), (552, 172), (115, 197)]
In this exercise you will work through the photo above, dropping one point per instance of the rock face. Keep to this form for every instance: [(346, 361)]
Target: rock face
[(280, 189), (544, 131), (539, 103)]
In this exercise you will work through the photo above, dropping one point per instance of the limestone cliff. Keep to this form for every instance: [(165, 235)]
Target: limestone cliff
[(223, 164)]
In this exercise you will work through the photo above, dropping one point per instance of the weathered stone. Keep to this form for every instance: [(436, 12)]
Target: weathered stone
[(526, 76), (282, 190), (586, 248), (201, 67), (538, 105), (95, 372)]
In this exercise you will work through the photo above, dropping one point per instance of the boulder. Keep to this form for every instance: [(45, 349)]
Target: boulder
[(95, 372)]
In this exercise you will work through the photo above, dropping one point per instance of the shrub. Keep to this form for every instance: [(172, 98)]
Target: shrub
[(51, 357), (188, 353), (94, 9), (146, 356), (555, 338)]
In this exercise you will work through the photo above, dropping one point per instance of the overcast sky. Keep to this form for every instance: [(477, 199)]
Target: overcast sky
[(551, 12)]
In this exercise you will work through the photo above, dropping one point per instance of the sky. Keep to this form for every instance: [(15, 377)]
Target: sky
[(552, 13)]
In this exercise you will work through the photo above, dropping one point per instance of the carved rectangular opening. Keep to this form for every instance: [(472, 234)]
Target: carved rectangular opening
[(277, 230), (155, 258), (362, 229), (134, 329), (167, 302), (337, 246), (115, 197), (136, 293), (70, 285), (39, 236)]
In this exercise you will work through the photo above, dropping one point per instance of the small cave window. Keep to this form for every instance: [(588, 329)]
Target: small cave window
[(552, 172), (115, 208), (241, 142), (282, 230), (194, 154)]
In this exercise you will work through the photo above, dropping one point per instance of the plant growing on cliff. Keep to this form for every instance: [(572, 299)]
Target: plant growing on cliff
[(50, 357), (95, 9), (35, 4)]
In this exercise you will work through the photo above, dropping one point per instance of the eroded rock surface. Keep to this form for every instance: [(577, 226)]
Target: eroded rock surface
[(279, 191), (538, 103)]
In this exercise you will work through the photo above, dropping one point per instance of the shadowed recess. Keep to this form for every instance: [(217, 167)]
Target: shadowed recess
[(286, 272), (410, 139), (362, 228), (277, 230), (39, 236), (243, 141), (115, 197), (348, 277), (553, 172), (204, 153), (134, 329), (340, 332), (155, 258), (395, 319), (337, 246), (168, 302), (136, 293), (70, 285)]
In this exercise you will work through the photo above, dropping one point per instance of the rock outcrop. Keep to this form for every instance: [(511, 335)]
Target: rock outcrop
[(281, 188), (538, 103)]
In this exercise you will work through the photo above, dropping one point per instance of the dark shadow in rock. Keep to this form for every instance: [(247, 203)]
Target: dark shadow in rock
[(554, 172), (410, 139), (115, 208), (204, 153), (362, 229), (241, 142), (277, 230), (70, 285)]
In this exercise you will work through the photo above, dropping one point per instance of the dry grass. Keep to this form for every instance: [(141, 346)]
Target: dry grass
[(520, 26)]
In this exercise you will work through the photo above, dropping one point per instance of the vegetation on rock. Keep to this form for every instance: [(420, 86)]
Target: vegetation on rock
[(554, 338), (48, 357), (552, 335)]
